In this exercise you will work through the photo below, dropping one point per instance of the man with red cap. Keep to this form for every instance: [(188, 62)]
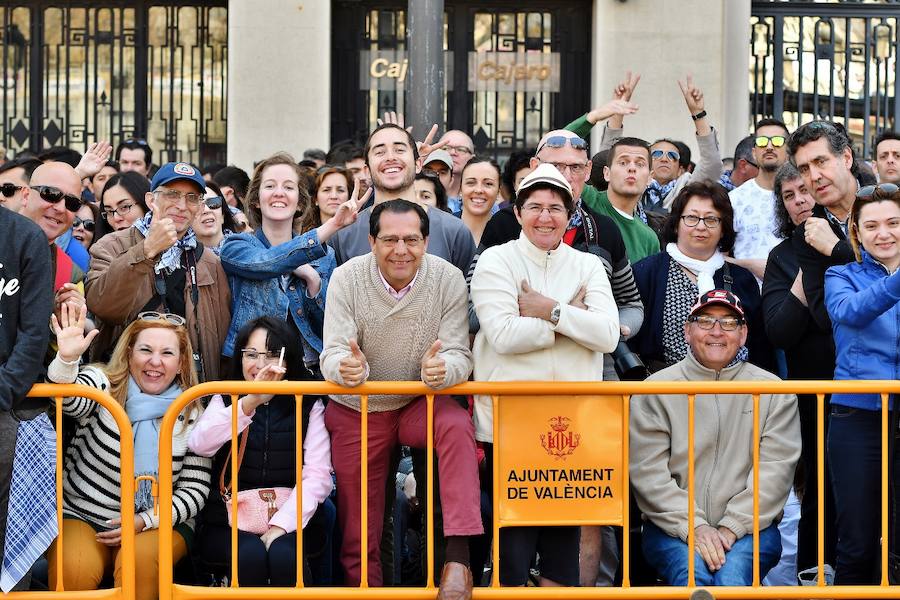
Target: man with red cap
[(723, 460)]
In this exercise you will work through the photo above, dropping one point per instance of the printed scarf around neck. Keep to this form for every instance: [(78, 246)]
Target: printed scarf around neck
[(169, 260)]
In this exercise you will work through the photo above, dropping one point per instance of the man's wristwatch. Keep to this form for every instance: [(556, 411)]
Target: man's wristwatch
[(554, 314)]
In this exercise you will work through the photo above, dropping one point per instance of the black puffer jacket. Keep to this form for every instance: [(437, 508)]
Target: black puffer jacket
[(269, 458)]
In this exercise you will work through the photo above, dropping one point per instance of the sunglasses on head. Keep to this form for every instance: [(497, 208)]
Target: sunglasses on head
[(53, 195), (671, 154), (762, 141), (9, 189), (885, 191), (88, 224), (152, 315), (560, 141)]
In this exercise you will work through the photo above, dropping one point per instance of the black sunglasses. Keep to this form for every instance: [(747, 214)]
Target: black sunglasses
[(214, 202), (53, 195), (9, 189), (88, 224)]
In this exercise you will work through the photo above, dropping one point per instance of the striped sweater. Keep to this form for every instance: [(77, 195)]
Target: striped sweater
[(91, 478)]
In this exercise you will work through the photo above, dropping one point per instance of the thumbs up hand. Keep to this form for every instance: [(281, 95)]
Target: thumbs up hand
[(353, 368), (434, 368)]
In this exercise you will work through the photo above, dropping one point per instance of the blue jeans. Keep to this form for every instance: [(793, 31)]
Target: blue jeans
[(669, 556)]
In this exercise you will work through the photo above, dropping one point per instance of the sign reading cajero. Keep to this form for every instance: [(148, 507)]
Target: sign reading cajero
[(513, 71), (389, 69), (560, 459)]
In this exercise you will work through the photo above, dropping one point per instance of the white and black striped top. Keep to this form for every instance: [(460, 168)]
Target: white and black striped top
[(91, 478)]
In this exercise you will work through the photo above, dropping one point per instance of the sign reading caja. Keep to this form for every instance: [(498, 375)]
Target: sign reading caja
[(560, 459)]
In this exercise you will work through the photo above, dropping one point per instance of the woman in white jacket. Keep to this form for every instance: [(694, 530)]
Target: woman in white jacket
[(547, 314)]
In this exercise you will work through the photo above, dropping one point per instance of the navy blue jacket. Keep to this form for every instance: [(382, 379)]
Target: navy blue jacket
[(651, 275)]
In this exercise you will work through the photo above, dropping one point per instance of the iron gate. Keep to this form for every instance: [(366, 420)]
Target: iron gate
[(827, 60), (74, 72), (499, 121)]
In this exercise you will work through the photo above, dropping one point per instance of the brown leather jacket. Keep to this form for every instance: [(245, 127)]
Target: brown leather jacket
[(120, 283)]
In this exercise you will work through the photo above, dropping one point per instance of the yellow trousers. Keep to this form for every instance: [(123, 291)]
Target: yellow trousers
[(86, 561)]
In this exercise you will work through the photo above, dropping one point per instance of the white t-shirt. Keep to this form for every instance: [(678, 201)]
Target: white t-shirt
[(754, 220)]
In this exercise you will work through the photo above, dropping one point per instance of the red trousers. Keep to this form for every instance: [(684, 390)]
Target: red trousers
[(454, 443)]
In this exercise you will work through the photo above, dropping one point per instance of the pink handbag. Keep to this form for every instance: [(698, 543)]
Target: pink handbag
[(255, 507)]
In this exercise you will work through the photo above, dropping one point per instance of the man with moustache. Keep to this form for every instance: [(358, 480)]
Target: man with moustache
[(392, 159), (158, 265), (754, 201)]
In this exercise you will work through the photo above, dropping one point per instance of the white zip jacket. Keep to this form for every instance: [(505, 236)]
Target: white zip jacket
[(509, 347)]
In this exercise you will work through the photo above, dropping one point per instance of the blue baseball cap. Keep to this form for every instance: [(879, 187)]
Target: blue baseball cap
[(175, 171)]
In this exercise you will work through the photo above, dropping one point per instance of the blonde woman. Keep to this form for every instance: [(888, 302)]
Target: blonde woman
[(150, 366)]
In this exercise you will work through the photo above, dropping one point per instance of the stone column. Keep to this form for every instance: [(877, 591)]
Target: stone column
[(279, 74), (664, 40)]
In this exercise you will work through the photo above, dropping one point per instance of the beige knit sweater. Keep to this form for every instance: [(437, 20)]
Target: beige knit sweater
[(395, 334)]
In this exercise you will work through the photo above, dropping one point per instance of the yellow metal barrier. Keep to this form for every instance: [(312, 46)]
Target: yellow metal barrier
[(624, 390), (126, 592)]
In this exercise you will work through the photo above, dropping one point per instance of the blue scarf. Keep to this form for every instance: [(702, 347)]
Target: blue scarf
[(169, 260), (143, 411)]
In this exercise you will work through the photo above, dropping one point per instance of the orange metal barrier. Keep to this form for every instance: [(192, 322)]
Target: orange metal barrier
[(624, 390), (58, 392)]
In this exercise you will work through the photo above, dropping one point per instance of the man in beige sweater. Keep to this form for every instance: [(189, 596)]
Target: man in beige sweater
[(723, 455), (399, 314)]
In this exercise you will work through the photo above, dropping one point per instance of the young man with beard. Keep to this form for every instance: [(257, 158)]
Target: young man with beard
[(754, 201), (392, 161)]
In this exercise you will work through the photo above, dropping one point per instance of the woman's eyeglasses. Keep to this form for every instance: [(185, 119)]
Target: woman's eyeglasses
[(120, 210), (254, 355), (88, 224), (214, 202), (152, 315), (694, 220), (53, 195)]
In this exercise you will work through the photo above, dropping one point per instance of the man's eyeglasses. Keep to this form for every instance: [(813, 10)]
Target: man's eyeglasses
[(53, 195), (88, 224), (458, 149), (254, 355), (576, 169), (9, 189), (152, 315), (555, 210), (694, 220), (885, 191), (411, 241), (214, 202), (560, 141), (173, 196), (120, 210), (708, 322), (670, 154), (762, 141)]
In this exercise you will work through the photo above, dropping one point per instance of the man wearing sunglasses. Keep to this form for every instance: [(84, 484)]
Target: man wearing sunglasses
[(754, 201), (15, 176), (724, 515), (52, 199), (157, 264)]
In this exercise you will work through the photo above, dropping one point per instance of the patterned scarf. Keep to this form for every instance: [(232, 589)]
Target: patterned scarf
[(170, 259)]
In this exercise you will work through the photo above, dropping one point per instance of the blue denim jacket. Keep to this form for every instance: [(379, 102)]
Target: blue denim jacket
[(254, 269)]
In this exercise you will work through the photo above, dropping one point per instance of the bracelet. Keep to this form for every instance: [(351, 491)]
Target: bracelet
[(699, 115)]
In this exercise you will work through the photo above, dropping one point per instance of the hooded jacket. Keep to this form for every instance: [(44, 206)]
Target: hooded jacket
[(723, 447)]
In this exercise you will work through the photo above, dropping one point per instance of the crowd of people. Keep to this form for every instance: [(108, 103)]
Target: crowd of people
[(406, 260)]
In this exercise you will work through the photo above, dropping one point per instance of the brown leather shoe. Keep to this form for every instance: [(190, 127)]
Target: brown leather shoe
[(456, 582)]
